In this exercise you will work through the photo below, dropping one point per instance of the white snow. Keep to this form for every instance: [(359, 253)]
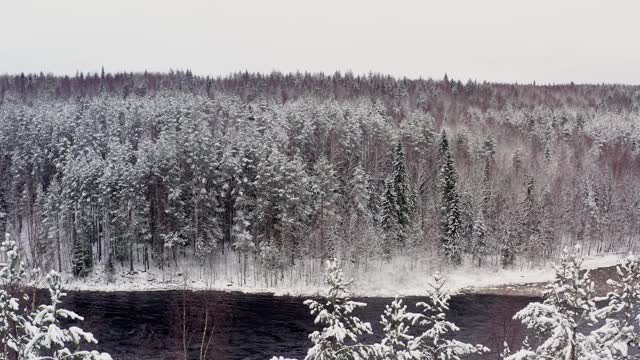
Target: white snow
[(384, 279)]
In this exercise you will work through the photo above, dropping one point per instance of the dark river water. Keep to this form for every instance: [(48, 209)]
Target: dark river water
[(162, 324)]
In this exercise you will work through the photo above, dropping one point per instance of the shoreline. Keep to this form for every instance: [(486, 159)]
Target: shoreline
[(465, 281)]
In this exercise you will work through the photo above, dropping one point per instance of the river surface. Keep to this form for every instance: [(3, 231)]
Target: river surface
[(151, 325)]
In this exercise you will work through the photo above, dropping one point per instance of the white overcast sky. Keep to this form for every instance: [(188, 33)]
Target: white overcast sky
[(584, 41)]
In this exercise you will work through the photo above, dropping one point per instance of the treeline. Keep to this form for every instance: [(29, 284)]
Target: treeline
[(150, 168)]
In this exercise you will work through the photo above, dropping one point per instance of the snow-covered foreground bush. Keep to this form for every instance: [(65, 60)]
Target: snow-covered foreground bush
[(568, 324), (35, 332), (340, 330)]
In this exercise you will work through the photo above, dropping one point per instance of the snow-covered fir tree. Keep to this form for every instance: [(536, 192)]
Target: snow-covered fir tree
[(392, 230), (396, 324), (402, 187), (360, 219), (436, 342), (619, 336), (407, 336), (30, 331), (450, 223), (339, 337), (569, 304), (12, 273)]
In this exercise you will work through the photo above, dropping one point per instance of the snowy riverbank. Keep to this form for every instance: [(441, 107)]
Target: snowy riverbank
[(384, 280)]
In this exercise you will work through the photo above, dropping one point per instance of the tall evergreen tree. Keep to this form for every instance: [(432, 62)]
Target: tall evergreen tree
[(389, 218), (358, 218), (402, 187), (526, 227), (451, 223), (325, 188)]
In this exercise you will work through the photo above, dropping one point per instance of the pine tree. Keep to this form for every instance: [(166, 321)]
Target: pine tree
[(358, 216), (451, 223), (417, 131), (203, 180), (296, 203), (245, 197), (360, 197), (325, 188), (174, 230)]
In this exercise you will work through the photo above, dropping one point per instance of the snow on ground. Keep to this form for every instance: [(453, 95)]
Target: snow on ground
[(469, 278), (401, 276)]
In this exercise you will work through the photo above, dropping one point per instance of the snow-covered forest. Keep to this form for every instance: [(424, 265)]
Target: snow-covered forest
[(262, 173)]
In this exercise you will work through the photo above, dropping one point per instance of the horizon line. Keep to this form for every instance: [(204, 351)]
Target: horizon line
[(312, 73)]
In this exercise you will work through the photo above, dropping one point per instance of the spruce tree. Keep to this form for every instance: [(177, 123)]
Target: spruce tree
[(396, 323), (32, 331), (389, 219), (451, 224), (404, 192), (436, 341), (619, 332), (569, 304), (339, 337)]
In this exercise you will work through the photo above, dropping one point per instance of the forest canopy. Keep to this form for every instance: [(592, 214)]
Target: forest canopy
[(101, 169)]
